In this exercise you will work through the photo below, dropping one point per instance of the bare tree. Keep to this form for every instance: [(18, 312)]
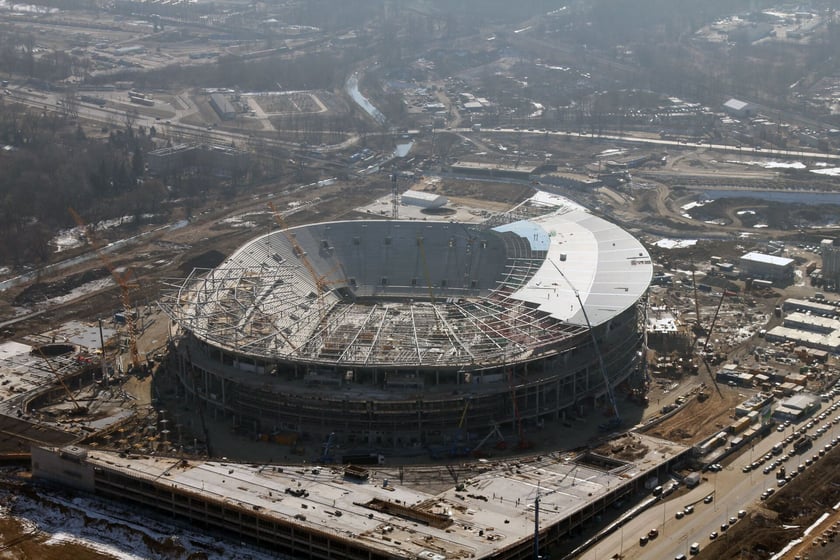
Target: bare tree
[(130, 117), (70, 103)]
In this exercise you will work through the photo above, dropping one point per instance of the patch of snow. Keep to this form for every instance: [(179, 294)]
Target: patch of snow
[(68, 239), (772, 164), (745, 212), (119, 531), (612, 152), (832, 171), (695, 204), (554, 200), (79, 291), (61, 538), (675, 243)]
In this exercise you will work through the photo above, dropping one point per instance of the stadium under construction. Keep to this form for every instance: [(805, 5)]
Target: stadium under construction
[(395, 335)]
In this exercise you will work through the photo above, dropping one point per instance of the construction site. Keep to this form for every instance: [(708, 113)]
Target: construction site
[(422, 351)]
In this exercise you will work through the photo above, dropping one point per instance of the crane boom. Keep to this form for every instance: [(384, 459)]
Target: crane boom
[(723, 294), (617, 417), (122, 282), (77, 408)]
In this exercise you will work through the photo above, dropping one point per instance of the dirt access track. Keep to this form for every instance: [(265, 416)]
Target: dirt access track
[(695, 419)]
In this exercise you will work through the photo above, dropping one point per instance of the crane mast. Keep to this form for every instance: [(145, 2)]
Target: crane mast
[(122, 281)]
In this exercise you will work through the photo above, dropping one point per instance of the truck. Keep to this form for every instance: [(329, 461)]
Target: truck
[(693, 479), (356, 473)]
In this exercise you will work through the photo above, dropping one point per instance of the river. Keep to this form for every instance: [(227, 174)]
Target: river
[(352, 87)]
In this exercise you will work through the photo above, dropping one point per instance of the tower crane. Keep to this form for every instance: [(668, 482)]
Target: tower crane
[(615, 421), (122, 280)]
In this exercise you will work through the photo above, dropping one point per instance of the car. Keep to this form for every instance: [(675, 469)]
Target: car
[(688, 510), (742, 513), (746, 469), (780, 428), (733, 520), (781, 482), (708, 499), (767, 470), (694, 548), (680, 514), (724, 527), (712, 535), (653, 533), (643, 540)]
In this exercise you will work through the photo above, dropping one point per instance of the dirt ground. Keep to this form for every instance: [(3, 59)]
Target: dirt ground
[(697, 420)]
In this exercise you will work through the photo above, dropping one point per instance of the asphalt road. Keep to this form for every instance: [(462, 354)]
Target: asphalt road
[(732, 491)]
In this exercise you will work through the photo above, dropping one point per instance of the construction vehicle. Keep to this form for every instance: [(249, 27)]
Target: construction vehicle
[(122, 280)]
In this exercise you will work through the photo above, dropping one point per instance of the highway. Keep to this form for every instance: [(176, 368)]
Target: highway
[(49, 101), (732, 491)]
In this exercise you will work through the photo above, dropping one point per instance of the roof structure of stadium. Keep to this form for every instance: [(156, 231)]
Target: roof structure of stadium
[(414, 294)]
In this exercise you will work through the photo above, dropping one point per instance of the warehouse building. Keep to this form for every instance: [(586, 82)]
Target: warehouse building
[(761, 266), (423, 199)]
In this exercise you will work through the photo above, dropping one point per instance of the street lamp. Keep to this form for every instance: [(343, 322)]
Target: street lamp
[(621, 543)]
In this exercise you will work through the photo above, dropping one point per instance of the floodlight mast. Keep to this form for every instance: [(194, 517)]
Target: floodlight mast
[(610, 394)]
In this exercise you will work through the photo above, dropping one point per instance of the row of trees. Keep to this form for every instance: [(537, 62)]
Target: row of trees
[(50, 164)]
